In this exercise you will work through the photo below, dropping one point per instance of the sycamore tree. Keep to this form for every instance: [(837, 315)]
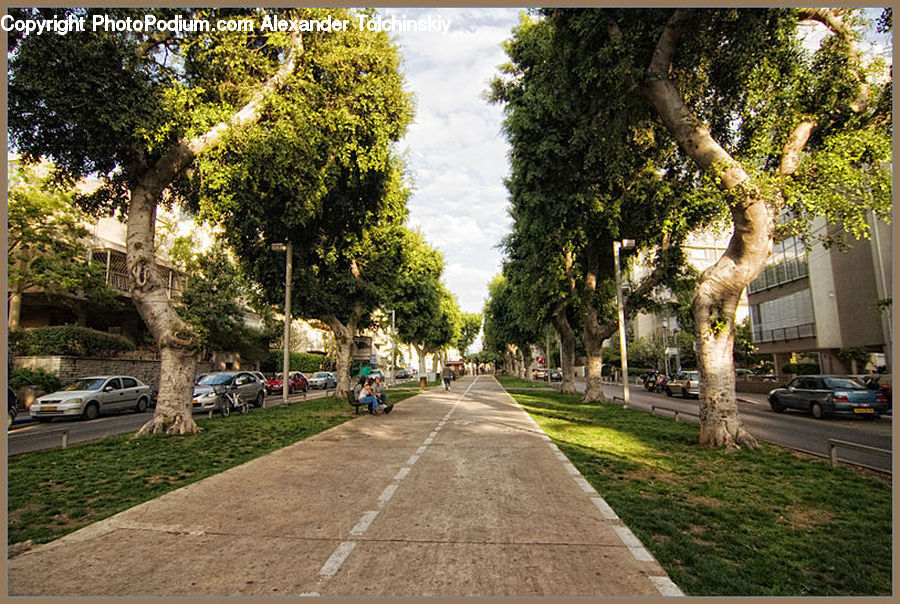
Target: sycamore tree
[(147, 107), (416, 297), (46, 249), (469, 327), (768, 121), (585, 172), (505, 331)]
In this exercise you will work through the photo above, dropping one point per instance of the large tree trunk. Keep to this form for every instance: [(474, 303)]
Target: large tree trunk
[(177, 342), (15, 311), (567, 350), (593, 345), (343, 338), (420, 352), (721, 285)]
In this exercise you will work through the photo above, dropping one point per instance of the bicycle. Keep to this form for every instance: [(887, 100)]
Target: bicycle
[(228, 400)]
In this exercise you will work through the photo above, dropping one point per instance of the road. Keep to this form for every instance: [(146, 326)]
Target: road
[(791, 429), (27, 435)]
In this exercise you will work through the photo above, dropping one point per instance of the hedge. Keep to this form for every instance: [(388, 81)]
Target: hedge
[(801, 368), (66, 340), (308, 362), (48, 382)]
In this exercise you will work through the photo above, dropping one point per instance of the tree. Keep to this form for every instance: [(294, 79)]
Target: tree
[(505, 331), (144, 106), (770, 124), (586, 171), (213, 302), (469, 327), (47, 249), (416, 298)]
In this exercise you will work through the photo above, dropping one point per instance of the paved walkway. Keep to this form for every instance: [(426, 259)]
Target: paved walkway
[(454, 494)]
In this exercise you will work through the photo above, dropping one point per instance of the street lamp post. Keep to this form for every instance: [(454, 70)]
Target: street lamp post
[(393, 345), (286, 360), (625, 243)]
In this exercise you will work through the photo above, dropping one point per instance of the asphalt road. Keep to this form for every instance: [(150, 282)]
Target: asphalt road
[(791, 429)]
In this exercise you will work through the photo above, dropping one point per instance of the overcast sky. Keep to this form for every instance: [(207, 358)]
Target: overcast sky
[(456, 152)]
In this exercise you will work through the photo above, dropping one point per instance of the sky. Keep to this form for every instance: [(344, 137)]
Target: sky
[(455, 149)]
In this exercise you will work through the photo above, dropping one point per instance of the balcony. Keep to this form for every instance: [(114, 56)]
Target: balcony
[(117, 273), (782, 334)]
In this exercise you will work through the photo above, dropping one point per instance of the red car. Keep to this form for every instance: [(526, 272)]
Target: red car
[(296, 383)]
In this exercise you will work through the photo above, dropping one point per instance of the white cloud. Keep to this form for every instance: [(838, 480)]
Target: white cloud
[(455, 147)]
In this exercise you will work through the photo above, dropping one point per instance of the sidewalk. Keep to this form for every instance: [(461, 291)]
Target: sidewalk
[(454, 494)]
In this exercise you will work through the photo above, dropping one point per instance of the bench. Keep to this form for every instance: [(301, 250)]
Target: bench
[(351, 398)]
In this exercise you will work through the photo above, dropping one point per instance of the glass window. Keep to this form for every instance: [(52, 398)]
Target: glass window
[(129, 383), (115, 383)]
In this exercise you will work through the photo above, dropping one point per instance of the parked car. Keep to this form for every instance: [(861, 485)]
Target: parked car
[(539, 374), (297, 382), (247, 387), (376, 373), (12, 406), (556, 375), (823, 395), (322, 379), (258, 375), (686, 383), (743, 373), (89, 397), (403, 374)]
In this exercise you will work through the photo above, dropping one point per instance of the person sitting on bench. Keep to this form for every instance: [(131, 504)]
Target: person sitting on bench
[(366, 395)]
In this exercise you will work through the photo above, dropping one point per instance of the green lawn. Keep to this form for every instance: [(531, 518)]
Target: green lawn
[(55, 492), (749, 523)]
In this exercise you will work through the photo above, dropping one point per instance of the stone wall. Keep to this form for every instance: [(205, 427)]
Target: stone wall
[(68, 369)]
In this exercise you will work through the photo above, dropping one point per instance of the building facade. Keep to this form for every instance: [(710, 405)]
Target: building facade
[(824, 301)]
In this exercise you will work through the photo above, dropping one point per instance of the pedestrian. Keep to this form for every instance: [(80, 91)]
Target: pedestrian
[(446, 374)]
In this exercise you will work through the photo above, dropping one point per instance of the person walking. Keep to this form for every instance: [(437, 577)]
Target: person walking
[(446, 374)]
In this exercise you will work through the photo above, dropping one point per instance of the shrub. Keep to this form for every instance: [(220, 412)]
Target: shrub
[(69, 340), (48, 382), (801, 368), (307, 362)]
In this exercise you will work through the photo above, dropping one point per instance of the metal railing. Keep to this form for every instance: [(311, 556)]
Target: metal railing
[(834, 443), (795, 332)]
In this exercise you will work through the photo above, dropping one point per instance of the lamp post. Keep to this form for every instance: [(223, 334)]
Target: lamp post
[(393, 345), (286, 361), (627, 244)]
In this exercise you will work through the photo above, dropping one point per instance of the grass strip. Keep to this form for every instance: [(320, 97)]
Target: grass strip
[(52, 493), (764, 522)]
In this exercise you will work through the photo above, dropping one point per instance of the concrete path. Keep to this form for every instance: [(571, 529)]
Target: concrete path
[(454, 494)]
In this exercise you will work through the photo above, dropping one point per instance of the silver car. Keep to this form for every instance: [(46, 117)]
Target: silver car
[(686, 383), (91, 396), (246, 385), (323, 379)]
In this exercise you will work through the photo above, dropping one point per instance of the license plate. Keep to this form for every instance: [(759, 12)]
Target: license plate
[(48, 408), (864, 410)]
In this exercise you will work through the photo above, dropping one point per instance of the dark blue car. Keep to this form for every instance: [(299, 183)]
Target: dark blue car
[(823, 395)]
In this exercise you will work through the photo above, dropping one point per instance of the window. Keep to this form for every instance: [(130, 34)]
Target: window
[(785, 318), (115, 383), (129, 383)]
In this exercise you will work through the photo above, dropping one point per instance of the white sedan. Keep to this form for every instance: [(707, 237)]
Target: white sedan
[(89, 397)]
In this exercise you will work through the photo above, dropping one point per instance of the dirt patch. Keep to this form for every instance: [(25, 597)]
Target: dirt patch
[(709, 502), (645, 475), (807, 518)]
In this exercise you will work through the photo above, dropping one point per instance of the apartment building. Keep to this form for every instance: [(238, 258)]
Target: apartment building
[(819, 302)]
